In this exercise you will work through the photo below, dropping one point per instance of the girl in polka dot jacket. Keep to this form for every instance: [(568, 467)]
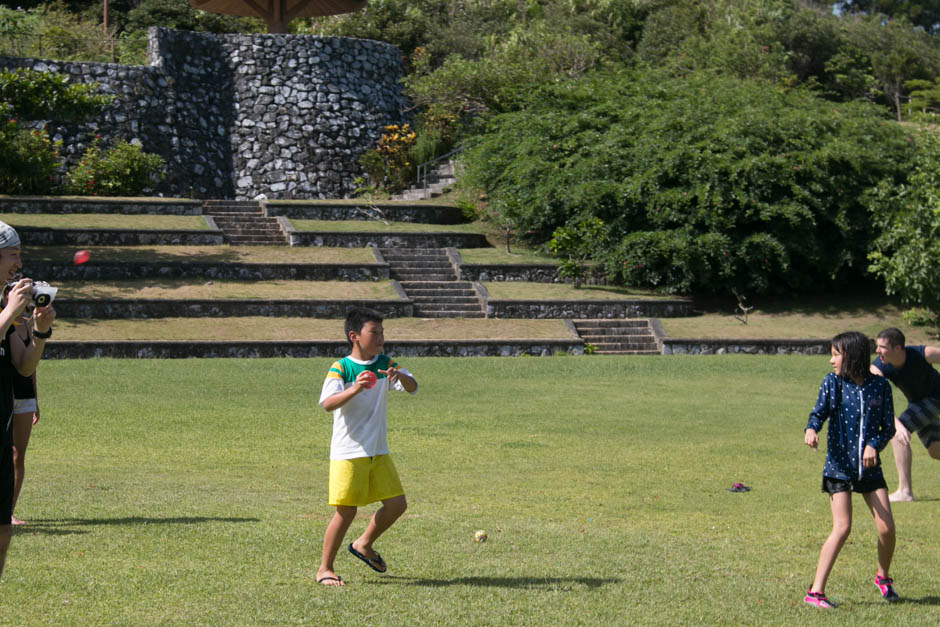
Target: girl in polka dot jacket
[(860, 410)]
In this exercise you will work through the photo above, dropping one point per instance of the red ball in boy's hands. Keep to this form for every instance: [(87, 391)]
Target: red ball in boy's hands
[(80, 257), (370, 379)]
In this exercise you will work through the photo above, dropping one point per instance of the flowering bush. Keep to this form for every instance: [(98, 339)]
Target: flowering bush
[(388, 166), (122, 170), (28, 158)]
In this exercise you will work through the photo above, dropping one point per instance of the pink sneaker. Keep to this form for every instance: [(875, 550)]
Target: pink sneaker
[(886, 590), (818, 599)]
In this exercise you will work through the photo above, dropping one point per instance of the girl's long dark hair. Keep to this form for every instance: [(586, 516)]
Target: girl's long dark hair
[(856, 350)]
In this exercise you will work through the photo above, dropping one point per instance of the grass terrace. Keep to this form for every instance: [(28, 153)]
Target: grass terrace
[(354, 226), (137, 222), (185, 289), (206, 254), (278, 329), (520, 290)]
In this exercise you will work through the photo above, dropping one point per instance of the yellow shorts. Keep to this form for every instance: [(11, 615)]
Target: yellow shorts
[(364, 480)]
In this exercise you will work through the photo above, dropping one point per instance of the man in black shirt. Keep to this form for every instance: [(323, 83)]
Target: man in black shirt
[(910, 369)]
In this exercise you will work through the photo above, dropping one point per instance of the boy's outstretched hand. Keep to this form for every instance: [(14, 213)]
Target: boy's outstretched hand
[(391, 373), (394, 376), (811, 439)]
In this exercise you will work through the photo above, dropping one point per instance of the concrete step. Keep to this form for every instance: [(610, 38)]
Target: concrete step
[(438, 300), (419, 265), (449, 307), (613, 322), (254, 242), (421, 276), (628, 352), (432, 285), (414, 293), (447, 314), (612, 331), (606, 346)]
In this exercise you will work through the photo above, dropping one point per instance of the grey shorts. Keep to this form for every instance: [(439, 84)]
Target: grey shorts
[(923, 418)]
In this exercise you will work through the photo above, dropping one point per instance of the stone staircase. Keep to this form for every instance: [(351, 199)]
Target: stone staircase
[(243, 223), (441, 177), (618, 336), (429, 280)]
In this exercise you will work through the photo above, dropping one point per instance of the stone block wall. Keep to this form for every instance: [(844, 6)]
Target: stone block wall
[(241, 116)]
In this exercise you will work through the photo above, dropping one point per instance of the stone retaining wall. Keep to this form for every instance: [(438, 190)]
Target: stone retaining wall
[(684, 346), (41, 236), (540, 309), (535, 273), (332, 349), (59, 205), (112, 271), (362, 239), (426, 214), (238, 116), (218, 308)]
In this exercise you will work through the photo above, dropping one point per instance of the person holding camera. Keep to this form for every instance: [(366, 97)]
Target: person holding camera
[(15, 357)]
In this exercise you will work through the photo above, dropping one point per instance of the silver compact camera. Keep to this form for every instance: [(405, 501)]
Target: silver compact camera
[(42, 293)]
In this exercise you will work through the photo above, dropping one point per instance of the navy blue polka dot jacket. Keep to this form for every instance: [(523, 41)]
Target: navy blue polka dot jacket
[(860, 416)]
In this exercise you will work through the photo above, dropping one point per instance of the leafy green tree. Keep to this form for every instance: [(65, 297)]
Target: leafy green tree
[(36, 95), (705, 182), (577, 243), (922, 13), (897, 52), (924, 99), (907, 217), (180, 15)]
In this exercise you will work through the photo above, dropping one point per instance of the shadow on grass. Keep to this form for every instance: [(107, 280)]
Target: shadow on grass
[(59, 526), (532, 583)]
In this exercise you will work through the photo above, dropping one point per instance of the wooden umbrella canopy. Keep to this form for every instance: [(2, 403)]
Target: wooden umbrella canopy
[(277, 13)]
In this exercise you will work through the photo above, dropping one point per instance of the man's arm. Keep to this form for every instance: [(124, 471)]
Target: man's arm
[(875, 371), (932, 354)]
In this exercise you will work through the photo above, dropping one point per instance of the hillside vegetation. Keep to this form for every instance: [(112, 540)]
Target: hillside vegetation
[(725, 145)]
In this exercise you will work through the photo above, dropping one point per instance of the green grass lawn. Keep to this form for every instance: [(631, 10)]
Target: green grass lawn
[(521, 290), (186, 289), (253, 328), (498, 255), (139, 222), (800, 319), (205, 254), (193, 492), (352, 226)]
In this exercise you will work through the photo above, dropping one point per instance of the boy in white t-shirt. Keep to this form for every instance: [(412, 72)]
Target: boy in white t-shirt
[(361, 470)]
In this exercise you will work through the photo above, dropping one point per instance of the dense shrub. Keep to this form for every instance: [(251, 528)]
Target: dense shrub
[(33, 95), (707, 182), (122, 170), (28, 158)]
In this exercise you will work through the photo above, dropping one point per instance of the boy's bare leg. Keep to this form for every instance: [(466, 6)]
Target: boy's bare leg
[(384, 517), (332, 540), (901, 445)]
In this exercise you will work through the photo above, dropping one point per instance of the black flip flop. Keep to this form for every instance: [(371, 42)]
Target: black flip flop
[(329, 578), (372, 563)]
